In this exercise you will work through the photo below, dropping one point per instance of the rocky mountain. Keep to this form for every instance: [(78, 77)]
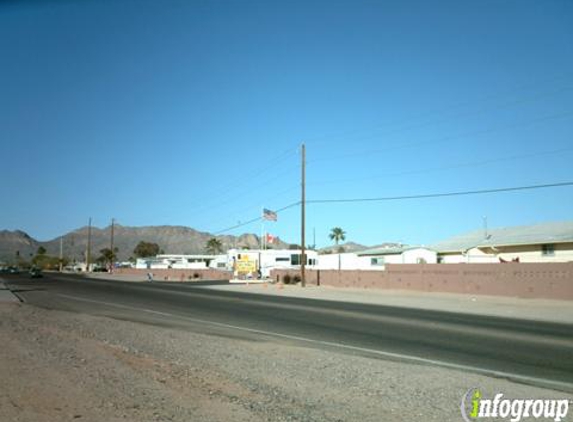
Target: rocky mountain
[(14, 244), (356, 247), (348, 247), (171, 239)]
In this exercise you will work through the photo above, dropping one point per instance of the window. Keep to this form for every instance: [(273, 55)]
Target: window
[(282, 259), (548, 250), (295, 259), (377, 262)]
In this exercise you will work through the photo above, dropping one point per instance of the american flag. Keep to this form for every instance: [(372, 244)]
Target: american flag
[(269, 215)]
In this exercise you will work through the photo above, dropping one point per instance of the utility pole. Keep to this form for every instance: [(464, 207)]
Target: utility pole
[(303, 218), (485, 235), (314, 238), (111, 247), (89, 246), (61, 252)]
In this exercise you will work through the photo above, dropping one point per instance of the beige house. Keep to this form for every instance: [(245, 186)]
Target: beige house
[(548, 242)]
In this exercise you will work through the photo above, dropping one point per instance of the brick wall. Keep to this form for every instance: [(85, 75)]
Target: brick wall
[(528, 280), (178, 275)]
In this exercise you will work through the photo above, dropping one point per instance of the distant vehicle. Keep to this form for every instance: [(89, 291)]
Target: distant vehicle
[(13, 270), (36, 273)]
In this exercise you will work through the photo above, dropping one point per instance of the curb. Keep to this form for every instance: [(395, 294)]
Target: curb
[(10, 296)]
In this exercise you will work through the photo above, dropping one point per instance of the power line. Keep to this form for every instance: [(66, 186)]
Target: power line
[(442, 168), (270, 166), (561, 115), (254, 220), (268, 200), (440, 195), (404, 197), (354, 133), (253, 189)]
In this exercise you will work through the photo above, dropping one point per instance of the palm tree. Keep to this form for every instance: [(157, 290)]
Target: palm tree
[(337, 234), (214, 246)]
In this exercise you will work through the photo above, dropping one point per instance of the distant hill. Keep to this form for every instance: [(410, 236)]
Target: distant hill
[(355, 247), (171, 239), (348, 247), (13, 243)]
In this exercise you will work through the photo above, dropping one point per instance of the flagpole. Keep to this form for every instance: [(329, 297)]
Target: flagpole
[(261, 242)]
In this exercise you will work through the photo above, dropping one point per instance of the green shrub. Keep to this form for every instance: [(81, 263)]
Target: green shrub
[(286, 279)]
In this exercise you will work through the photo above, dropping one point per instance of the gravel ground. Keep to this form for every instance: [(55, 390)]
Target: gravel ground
[(60, 366)]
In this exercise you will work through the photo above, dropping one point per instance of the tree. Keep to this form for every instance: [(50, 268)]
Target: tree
[(146, 249), (107, 256), (337, 234), (41, 251), (214, 246)]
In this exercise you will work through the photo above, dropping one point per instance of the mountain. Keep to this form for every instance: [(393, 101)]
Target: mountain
[(348, 247), (16, 243), (356, 247), (171, 240)]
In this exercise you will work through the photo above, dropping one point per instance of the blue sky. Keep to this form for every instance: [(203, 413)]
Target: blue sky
[(192, 113)]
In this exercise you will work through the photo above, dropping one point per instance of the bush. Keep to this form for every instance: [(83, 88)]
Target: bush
[(196, 275), (286, 279), (296, 279)]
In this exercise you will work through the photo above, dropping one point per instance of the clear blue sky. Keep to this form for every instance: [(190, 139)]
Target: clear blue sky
[(192, 113)]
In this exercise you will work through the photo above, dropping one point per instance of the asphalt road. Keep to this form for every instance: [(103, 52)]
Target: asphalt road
[(538, 353)]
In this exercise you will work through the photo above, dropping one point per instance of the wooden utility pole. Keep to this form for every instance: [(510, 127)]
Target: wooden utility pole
[(111, 247), (61, 253), (303, 218), (89, 246)]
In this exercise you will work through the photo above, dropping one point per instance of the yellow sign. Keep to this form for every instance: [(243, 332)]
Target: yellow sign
[(246, 266)]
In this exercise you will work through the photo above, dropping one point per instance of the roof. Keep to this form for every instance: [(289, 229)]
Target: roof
[(389, 250), (546, 233)]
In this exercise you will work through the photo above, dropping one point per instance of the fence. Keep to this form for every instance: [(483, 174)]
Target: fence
[(528, 280), (179, 275)]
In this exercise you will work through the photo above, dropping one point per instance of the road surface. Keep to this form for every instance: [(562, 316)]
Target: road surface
[(538, 353)]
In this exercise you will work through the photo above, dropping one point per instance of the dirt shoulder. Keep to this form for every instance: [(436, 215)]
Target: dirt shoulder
[(59, 366)]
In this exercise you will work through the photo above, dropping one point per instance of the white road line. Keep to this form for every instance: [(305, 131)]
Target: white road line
[(398, 356)]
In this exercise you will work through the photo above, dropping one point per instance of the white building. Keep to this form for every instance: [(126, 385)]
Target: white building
[(255, 260), (344, 261), (379, 257), (182, 262), (247, 262)]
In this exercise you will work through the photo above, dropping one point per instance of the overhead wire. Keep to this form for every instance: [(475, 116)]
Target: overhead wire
[(518, 101), (443, 168), (439, 195), (254, 220), (354, 133), (561, 115), (402, 198), (268, 203), (207, 201)]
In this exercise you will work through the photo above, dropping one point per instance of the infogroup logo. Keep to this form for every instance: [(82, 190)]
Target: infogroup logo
[(474, 407)]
